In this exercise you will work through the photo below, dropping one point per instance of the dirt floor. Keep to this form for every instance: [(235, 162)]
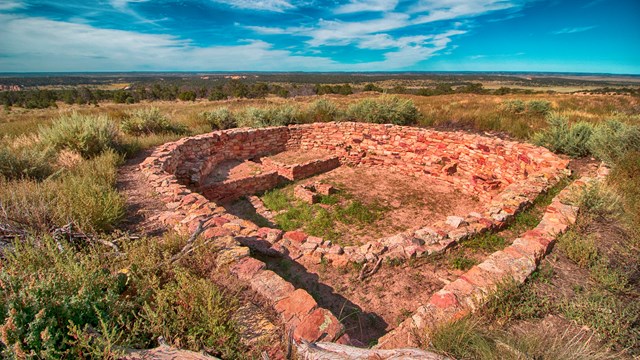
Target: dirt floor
[(408, 202), (375, 305), (234, 169), (291, 157), (142, 204)]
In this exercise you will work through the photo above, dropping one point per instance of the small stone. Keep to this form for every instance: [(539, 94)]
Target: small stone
[(295, 236), (325, 189), (455, 221)]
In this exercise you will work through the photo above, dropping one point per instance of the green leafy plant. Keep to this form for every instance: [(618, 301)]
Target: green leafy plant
[(384, 110), (89, 135), (149, 121), (220, 118)]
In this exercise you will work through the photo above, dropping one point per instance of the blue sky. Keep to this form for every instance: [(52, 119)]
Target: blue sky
[(320, 35)]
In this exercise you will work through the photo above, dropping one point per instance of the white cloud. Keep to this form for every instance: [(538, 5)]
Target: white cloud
[(438, 10), (355, 6), (265, 30), (572, 30), (38, 44), (8, 5), (266, 5)]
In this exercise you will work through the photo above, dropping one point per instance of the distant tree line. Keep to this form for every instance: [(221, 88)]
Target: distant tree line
[(235, 88)]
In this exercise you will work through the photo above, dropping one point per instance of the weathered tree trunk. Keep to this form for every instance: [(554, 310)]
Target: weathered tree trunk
[(332, 351)]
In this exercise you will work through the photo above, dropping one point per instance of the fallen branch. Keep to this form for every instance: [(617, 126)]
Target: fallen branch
[(188, 247), (365, 274)]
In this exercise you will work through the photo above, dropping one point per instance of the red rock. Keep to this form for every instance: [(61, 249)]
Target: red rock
[(295, 307), (444, 299), (247, 268), (296, 236), (216, 232), (320, 325), (271, 286)]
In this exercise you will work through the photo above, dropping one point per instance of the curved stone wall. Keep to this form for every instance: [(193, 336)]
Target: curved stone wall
[(506, 175)]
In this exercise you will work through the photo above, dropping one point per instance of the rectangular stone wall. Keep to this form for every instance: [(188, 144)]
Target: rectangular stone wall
[(207, 150), (230, 190), (314, 167)]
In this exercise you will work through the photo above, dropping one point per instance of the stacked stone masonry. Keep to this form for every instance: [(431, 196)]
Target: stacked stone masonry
[(506, 175)]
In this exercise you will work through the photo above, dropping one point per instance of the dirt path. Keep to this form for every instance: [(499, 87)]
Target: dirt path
[(143, 206)]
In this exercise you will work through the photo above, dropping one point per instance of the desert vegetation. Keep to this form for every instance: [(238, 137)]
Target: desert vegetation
[(70, 295)]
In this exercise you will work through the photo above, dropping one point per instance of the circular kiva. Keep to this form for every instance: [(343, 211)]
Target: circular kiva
[(191, 175)]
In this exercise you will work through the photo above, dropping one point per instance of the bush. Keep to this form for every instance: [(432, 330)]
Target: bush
[(270, 116), (562, 138), (220, 118), (387, 109), (625, 177), (191, 313), (28, 162), (513, 106), (84, 195), (323, 110), (150, 121), (539, 106), (45, 291), (89, 135), (613, 139), (90, 304)]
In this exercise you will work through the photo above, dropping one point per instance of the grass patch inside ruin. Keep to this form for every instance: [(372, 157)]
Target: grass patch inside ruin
[(325, 219)]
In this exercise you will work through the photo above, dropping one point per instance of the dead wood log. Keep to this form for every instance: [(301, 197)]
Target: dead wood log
[(333, 351)]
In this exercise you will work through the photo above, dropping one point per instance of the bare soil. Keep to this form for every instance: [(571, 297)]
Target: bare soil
[(409, 202), (234, 169), (291, 157), (371, 307), (143, 205)]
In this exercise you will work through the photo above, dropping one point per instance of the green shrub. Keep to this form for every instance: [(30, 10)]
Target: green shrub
[(90, 304), (581, 249), (270, 116), (84, 195), (88, 135), (384, 110), (625, 177), (599, 201), (539, 106), (613, 139), (285, 115), (323, 110), (45, 291), (150, 121), (191, 313), (513, 106), (562, 138), (25, 162), (220, 118)]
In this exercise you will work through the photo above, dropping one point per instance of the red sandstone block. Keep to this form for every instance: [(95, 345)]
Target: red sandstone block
[(483, 280), (296, 236), (216, 232), (271, 286), (530, 247), (295, 307), (320, 325), (444, 299), (247, 268)]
